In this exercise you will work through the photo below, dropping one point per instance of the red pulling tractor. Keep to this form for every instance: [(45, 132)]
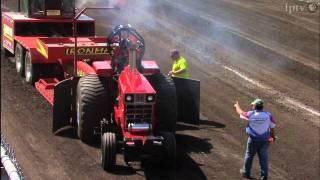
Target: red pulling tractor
[(99, 85)]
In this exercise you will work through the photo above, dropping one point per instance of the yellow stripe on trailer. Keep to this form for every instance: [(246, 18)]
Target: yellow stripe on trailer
[(41, 49), (8, 32)]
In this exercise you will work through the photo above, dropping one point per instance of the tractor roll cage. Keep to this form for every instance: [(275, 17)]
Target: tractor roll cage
[(128, 45)]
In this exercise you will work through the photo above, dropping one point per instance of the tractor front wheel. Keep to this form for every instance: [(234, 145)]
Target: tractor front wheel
[(19, 58), (170, 147), (108, 151), (92, 105)]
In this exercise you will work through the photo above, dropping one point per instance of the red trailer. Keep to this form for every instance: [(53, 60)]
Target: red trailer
[(100, 85)]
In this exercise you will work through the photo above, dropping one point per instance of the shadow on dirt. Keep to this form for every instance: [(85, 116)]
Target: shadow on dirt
[(191, 144), (67, 132), (203, 123), (186, 167), (185, 127), (124, 170), (212, 123)]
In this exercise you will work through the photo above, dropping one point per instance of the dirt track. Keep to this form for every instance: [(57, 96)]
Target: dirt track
[(239, 50)]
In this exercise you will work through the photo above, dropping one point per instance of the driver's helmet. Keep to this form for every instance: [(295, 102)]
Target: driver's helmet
[(124, 34), (128, 26)]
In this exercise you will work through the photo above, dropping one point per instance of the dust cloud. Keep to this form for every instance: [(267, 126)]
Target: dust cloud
[(134, 12)]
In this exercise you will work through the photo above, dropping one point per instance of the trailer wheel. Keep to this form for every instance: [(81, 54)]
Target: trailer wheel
[(92, 105), (108, 151), (31, 71), (170, 148), (19, 58), (166, 102)]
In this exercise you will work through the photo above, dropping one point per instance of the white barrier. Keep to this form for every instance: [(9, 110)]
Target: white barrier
[(8, 161), (9, 166)]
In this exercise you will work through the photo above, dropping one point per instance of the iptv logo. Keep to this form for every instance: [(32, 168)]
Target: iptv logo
[(309, 7)]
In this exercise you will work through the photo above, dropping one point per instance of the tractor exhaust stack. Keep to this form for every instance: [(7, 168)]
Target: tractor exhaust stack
[(132, 57)]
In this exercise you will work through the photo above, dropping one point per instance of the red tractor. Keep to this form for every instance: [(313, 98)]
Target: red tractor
[(100, 85)]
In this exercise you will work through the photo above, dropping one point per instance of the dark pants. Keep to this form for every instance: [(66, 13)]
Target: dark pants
[(253, 147)]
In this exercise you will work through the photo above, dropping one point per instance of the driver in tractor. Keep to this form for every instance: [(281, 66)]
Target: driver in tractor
[(125, 40), (122, 60)]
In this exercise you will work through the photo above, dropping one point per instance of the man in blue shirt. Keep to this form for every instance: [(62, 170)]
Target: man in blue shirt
[(260, 130)]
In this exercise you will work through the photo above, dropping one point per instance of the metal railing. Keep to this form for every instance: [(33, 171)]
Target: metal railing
[(9, 161)]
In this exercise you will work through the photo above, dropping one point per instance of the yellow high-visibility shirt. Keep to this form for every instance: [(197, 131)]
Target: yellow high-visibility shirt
[(180, 64)]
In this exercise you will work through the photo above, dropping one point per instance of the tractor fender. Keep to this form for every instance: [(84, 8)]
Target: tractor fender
[(64, 104), (188, 95)]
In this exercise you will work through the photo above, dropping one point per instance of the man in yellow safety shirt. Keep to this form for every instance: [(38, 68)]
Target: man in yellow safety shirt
[(179, 66)]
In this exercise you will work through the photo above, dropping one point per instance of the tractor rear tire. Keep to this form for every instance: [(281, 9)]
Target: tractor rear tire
[(166, 102), (92, 105), (19, 59), (108, 150), (170, 147), (31, 70)]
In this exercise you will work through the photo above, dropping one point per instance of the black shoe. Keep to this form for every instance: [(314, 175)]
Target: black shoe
[(244, 175), (263, 178)]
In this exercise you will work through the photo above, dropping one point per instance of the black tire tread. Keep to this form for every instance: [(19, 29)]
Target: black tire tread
[(93, 99), (108, 150), (170, 148), (166, 101)]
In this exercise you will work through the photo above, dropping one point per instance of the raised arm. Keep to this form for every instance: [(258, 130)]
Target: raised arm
[(238, 108)]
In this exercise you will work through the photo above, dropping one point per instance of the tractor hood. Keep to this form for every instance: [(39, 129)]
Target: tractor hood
[(134, 83)]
